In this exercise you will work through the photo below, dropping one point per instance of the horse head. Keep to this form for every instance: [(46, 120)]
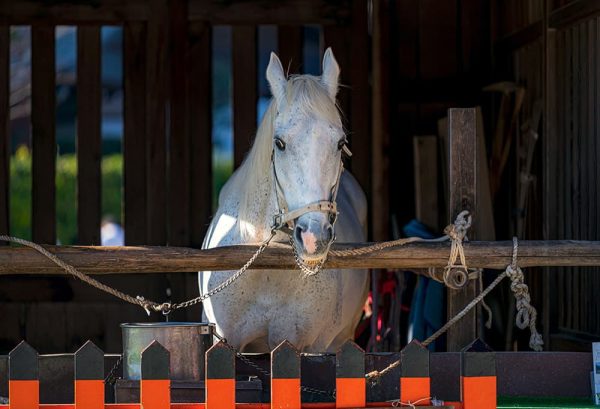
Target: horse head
[(308, 140)]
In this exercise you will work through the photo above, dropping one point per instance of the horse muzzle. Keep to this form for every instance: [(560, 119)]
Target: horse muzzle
[(312, 237)]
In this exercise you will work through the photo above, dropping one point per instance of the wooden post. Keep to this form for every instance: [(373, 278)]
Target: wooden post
[(43, 134), (89, 141), (89, 377), (462, 131), (220, 377), (155, 386), (245, 91), (415, 383), (4, 127), (23, 377), (350, 381), (285, 377), (134, 138)]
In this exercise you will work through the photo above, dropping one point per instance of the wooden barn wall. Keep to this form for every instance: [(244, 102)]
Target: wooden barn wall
[(167, 145), (439, 58), (573, 187), (553, 50)]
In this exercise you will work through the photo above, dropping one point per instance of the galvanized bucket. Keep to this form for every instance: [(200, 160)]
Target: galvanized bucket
[(186, 341)]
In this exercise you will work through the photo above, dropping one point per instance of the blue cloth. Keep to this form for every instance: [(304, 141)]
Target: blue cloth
[(427, 307)]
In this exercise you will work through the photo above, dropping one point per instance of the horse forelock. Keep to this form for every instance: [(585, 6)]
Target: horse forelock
[(309, 97)]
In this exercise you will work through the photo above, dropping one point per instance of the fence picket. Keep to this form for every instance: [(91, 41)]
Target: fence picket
[(350, 381), (285, 377), (478, 376), (89, 377), (155, 386), (415, 384), (23, 377), (220, 377)]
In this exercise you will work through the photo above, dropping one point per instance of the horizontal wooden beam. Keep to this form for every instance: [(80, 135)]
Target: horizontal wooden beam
[(281, 12), (520, 38), (72, 13), (574, 12), (288, 12), (146, 259)]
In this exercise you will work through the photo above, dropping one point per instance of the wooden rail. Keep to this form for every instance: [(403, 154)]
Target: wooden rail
[(147, 259)]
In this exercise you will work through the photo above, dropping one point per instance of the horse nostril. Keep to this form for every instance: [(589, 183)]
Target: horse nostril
[(298, 233), (329, 233)]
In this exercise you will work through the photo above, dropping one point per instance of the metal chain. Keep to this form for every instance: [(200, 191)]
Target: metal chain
[(307, 270), (147, 305), (266, 373), (111, 378), (225, 283)]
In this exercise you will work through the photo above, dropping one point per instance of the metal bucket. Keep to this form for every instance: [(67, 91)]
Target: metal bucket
[(186, 341)]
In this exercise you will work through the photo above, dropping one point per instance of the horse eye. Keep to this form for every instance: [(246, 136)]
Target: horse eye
[(341, 143), (280, 144)]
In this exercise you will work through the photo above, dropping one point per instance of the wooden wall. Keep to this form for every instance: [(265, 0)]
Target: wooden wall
[(439, 58), (553, 49)]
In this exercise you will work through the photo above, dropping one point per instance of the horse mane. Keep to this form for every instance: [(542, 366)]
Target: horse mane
[(310, 97)]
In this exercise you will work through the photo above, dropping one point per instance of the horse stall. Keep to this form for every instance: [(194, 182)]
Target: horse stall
[(418, 110)]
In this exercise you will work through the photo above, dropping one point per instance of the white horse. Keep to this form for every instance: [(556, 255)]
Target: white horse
[(294, 169)]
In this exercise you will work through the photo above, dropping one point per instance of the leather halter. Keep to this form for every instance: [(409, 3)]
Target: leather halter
[(283, 220)]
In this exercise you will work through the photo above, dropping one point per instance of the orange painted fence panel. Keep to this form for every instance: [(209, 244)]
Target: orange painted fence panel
[(478, 379)]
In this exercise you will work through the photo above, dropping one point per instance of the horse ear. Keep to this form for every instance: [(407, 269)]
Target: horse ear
[(331, 73), (276, 79)]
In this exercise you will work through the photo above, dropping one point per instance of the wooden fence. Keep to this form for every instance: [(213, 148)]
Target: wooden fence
[(478, 379), (167, 106), (167, 118)]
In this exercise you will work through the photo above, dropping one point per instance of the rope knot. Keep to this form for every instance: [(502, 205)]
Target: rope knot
[(456, 276), (526, 313)]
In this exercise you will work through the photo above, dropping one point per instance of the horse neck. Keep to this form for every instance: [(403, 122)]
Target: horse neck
[(264, 203)]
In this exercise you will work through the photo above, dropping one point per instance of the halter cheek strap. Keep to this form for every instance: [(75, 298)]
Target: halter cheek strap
[(283, 220)]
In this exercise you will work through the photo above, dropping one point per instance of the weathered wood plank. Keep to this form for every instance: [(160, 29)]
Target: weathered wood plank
[(89, 101), (134, 141), (72, 13), (43, 130), (4, 127), (425, 153), (573, 12), (245, 89), (179, 140), (200, 127), (157, 41), (360, 91), (148, 259), (289, 42), (105, 12), (462, 131), (286, 12), (380, 126)]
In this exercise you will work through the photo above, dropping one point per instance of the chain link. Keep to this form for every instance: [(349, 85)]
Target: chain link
[(111, 378), (266, 373)]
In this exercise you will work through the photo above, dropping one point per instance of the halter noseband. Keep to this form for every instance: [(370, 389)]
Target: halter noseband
[(283, 220)]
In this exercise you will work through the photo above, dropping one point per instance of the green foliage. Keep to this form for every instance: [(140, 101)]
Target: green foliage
[(66, 193)]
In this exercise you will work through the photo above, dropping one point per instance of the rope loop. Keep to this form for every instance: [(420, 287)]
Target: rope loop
[(456, 276)]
